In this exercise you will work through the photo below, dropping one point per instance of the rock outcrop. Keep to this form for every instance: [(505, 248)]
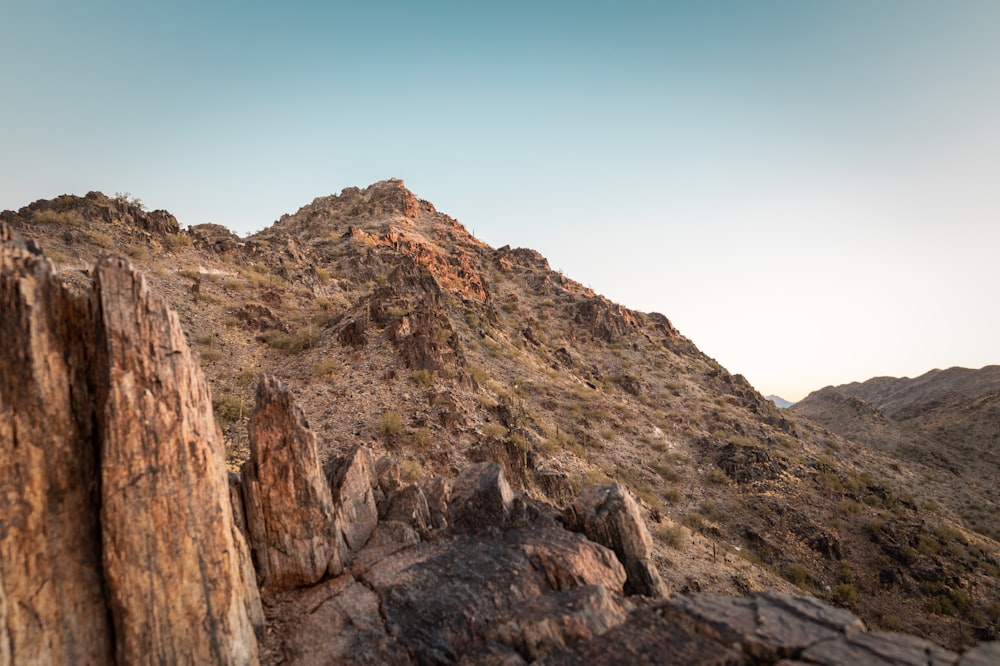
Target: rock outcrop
[(290, 515), (117, 540), (122, 536), (610, 516)]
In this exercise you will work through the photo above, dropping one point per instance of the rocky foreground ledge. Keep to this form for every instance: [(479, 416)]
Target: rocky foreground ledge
[(123, 539)]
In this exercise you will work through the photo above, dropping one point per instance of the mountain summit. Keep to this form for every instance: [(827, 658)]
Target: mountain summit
[(399, 332)]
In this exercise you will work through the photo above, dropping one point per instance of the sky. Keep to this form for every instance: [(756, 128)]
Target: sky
[(808, 190)]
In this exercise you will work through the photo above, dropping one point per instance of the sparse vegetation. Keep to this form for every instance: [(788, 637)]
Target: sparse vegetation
[(228, 408), (390, 425)]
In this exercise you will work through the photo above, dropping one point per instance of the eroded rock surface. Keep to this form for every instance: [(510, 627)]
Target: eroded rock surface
[(143, 542), (610, 516)]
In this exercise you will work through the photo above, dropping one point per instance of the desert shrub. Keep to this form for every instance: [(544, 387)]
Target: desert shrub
[(479, 376), (422, 438), (246, 376), (666, 471), (716, 477), (70, 217), (796, 574), (137, 251), (232, 284), (673, 535), (292, 343), (228, 408), (693, 521), (889, 622), (177, 241), (410, 471), (845, 594), (849, 506), (210, 355), (672, 496), (326, 369), (100, 239), (423, 377), (494, 431), (390, 425)]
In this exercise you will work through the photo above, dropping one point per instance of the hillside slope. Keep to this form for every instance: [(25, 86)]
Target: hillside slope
[(396, 328)]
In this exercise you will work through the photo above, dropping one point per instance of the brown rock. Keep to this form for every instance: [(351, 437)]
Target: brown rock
[(649, 639), (336, 622), (481, 498), (408, 505), (171, 557), (609, 516), (549, 623), (290, 513), (769, 626), (52, 607), (876, 649), (985, 654), (436, 491), (351, 479)]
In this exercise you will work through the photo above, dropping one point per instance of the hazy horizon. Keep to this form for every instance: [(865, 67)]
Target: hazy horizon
[(804, 189)]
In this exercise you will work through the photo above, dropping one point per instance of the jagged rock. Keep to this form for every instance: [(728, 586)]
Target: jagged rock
[(214, 237), (52, 607), (443, 599), (480, 499), (409, 505), (352, 478), (549, 623), (289, 509), (648, 638), (609, 516), (768, 626), (603, 319), (436, 491), (170, 549), (336, 622), (747, 464), (876, 649), (985, 654), (257, 317)]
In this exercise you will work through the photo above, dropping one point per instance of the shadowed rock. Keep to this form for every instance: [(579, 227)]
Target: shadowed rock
[(609, 516)]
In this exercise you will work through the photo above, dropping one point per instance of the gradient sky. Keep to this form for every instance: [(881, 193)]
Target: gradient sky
[(809, 190)]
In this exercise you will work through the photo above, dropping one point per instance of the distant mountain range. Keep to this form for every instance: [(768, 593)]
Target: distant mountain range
[(780, 402)]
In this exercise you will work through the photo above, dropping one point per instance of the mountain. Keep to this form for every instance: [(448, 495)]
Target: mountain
[(779, 402), (945, 421), (398, 331)]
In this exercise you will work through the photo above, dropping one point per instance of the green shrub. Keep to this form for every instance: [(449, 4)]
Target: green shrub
[(390, 425), (693, 521), (100, 239), (292, 343), (673, 535), (422, 439), (327, 368), (494, 431), (70, 217), (423, 377), (716, 477), (228, 408), (177, 241)]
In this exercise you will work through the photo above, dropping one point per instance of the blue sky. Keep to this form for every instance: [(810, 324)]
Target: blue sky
[(808, 190)]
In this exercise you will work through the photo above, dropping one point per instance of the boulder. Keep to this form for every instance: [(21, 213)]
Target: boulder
[(290, 513), (481, 498), (352, 478), (608, 515)]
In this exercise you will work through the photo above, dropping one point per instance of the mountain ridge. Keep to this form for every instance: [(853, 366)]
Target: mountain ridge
[(398, 330)]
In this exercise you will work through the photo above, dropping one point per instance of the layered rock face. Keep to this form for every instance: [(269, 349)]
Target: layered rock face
[(118, 541)]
